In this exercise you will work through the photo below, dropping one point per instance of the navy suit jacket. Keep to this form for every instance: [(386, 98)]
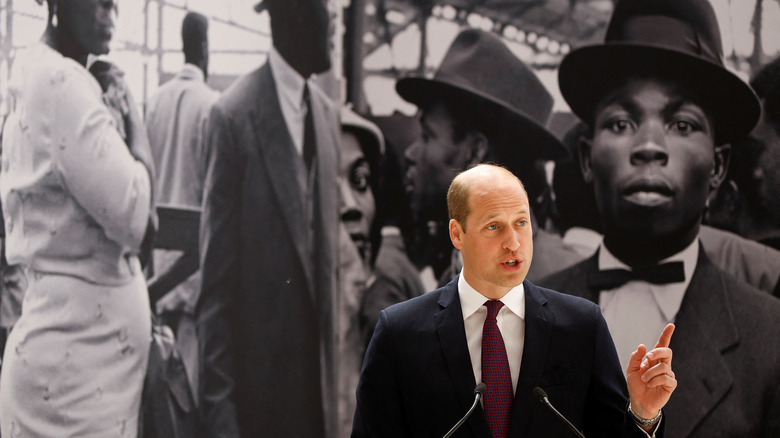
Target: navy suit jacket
[(417, 379)]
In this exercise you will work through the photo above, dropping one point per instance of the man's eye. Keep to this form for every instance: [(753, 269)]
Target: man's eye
[(683, 127), (523, 223), (618, 126), (360, 176), (492, 227)]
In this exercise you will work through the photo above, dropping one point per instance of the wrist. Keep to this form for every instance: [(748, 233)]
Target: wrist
[(644, 422)]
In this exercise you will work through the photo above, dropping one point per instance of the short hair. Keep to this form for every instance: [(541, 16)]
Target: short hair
[(458, 193), (194, 33)]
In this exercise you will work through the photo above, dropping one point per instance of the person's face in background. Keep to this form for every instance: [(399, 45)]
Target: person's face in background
[(496, 240), (431, 163), (301, 30), (767, 172), (357, 207), (89, 24), (653, 163)]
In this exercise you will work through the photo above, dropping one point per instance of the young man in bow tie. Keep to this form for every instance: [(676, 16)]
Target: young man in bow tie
[(662, 111)]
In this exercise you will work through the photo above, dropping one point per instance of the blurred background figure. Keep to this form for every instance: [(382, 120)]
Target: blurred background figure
[(176, 122), (269, 236), (496, 113), (77, 201), (361, 150), (395, 277), (13, 283), (749, 201), (576, 216)]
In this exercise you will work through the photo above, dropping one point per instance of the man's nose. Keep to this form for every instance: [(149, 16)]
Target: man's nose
[(348, 205), (412, 152), (511, 240), (650, 146)]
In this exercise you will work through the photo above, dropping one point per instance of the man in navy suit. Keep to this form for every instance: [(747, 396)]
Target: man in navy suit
[(427, 354)]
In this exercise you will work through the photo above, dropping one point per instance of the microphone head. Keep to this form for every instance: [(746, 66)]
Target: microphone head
[(540, 394), (481, 389)]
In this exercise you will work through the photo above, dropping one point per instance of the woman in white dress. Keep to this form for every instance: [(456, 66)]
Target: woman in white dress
[(77, 200)]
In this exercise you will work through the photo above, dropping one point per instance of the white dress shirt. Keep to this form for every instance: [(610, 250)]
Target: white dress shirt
[(638, 311), (289, 89), (510, 320)]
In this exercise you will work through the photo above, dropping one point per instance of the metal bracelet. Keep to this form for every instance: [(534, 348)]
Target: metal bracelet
[(642, 421)]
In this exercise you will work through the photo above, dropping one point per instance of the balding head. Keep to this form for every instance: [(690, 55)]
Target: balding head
[(479, 178)]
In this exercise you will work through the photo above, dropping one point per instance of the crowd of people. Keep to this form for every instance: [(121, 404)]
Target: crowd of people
[(322, 280)]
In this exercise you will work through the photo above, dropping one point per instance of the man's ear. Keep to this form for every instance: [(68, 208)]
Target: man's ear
[(478, 148), (583, 151), (456, 234), (720, 166)]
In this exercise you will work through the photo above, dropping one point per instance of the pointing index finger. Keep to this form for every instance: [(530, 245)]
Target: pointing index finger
[(666, 336)]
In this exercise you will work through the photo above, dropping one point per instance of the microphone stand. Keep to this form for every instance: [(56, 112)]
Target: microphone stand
[(478, 391), (542, 397)]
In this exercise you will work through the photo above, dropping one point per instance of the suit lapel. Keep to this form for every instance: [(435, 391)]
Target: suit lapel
[(281, 160), (538, 323), (705, 329), (452, 336)]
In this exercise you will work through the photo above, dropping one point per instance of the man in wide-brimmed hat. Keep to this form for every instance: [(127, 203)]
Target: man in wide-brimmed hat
[(662, 110), (268, 240), (482, 105)]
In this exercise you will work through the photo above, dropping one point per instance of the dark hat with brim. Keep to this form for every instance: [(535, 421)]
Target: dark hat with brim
[(671, 39), (481, 74)]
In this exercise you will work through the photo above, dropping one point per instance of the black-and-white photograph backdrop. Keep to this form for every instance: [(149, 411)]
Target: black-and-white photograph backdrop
[(208, 206)]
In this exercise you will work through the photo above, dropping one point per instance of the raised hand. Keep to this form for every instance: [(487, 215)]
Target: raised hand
[(650, 377)]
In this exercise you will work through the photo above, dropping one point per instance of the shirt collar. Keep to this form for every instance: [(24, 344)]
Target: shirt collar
[(667, 296), (192, 71), (471, 300), (289, 83)]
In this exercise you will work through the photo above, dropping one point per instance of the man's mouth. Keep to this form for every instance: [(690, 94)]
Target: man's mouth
[(648, 193)]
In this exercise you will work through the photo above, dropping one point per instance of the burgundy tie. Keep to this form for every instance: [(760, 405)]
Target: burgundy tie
[(495, 374)]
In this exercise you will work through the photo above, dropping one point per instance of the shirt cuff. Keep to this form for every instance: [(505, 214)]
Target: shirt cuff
[(655, 429)]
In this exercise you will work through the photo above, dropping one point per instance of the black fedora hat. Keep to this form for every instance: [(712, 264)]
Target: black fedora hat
[(677, 39), (481, 72)]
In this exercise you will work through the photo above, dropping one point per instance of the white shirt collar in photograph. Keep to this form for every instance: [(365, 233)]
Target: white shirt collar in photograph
[(289, 89)]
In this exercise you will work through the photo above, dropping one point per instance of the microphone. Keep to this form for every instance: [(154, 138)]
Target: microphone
[(479, 391), (542, 397)]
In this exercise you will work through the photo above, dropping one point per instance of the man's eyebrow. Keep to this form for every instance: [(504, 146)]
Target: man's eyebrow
[(629, 103), (521, 212)]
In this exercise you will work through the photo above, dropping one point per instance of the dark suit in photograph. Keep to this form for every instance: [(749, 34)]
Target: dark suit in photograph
[(268, 273), (418, 381), (726, 355)]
